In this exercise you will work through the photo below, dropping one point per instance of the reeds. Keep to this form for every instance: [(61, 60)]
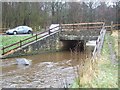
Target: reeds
[(87, 68), (95, 72)]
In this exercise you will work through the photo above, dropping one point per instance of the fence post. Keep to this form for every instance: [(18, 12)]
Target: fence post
[(103, 27), (3, 51), (49, 31), (73, 26), (20, 43), (60, 27), (36, 37), (111, 26)]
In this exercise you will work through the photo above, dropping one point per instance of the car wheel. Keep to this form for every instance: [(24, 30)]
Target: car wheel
[(29, 32), (14, 32)]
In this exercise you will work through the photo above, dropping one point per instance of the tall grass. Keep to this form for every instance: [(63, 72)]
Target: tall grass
[(96, 73), (86, 70)]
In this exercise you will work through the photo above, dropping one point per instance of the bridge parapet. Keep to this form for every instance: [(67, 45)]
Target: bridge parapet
[(82, 26), (86, 32), (64, 35), (81, 31)]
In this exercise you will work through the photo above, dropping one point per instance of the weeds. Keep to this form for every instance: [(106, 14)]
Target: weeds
[(85, 70), (96, 73)]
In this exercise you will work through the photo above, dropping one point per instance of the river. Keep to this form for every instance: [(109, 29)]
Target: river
[(57, 70)]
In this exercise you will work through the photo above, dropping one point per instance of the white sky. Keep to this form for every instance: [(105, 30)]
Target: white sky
[(109, 2), (59, 0)]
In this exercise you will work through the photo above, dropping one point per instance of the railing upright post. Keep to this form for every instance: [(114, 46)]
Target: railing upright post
[(111, 26), (20, 43), (73, 26), (60, 27), (36, 37), (3, 51)]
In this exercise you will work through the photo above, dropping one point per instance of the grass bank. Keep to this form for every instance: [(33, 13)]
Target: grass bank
[(7, 40), (11, 39), (100, 73)]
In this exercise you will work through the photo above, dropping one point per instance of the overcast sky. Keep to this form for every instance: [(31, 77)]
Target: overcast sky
[(110, 2)]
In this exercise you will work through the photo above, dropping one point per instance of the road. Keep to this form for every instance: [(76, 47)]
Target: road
[(34, 33)]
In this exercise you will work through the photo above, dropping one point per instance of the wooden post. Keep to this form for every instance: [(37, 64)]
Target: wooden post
[(36, 37), (49, 31), (111, 26), (60, 27), (3, 51), (84, 42), (73, 26), (20, 43)]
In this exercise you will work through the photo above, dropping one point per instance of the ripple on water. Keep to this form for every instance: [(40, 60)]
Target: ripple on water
[(52, 70)]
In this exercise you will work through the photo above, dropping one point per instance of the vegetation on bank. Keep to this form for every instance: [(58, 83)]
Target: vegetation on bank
[(116, 37), (11, 39), (100, 73), (7, 40)]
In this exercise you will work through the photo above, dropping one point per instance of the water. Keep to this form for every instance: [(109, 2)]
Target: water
[(55, 70)]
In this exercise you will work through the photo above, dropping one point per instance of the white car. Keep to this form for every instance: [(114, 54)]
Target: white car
[(20, 30)]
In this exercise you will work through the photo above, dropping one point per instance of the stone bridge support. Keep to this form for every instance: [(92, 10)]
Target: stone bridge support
[(49, 43), (77, 39)]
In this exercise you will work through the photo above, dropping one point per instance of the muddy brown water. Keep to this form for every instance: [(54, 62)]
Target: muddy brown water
[(55, 70)]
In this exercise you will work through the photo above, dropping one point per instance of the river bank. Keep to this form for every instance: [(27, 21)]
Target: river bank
[(102, 73)]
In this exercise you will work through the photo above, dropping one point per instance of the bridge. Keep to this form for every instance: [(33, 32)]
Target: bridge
[(58, 37), (86, 33)]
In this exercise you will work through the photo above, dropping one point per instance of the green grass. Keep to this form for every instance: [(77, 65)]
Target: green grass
[(107, 76), (7, 40), (11, 39), (105, 49)]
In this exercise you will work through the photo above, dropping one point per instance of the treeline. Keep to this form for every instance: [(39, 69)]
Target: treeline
[(45, 13)]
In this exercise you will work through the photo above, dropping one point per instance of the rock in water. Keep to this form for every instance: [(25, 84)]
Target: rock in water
[(23, 61)]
